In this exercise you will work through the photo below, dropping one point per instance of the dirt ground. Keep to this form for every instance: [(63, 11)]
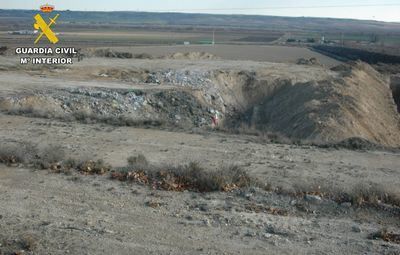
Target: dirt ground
[(47, 213), (94, 215), (86, 215), (268, 53)]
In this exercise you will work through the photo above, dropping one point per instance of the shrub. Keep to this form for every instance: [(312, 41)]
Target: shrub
[(184, 177), (16, 153), (140, 159), (361, 194), (94, 167), (386, 236), (48, 156), (70, 163), (373, 194)]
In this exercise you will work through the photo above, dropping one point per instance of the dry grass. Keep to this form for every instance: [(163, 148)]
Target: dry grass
[(84, 117), (361, 194), (139, 160), (48, 157), (14, 153), (22, 244), (373, 194), (191, 177), (94, 167), (112, 120), (386, 236)]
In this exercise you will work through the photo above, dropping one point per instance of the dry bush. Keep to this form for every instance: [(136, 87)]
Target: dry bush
[(386, 236), (11, 155), (191, 177), (49, 157), (16, 153), (18, 244), (361, 194), (373, 194), (143, 56), (139, 160), (94, 167), (70, 163), (304, 188)]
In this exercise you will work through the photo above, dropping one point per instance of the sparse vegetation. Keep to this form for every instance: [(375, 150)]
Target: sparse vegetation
[(94, 167), (372, 194), (361, 194), (191, 177), (12, 154), (48, 157), (86, 118), (139, 160), (386, 236), (18, 245), (184, 177), (70, 163)]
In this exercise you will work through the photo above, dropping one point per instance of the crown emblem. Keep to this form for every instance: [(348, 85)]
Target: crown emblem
[(46, 8)]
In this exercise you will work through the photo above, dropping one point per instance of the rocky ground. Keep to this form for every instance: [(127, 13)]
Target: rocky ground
[(45, 213)]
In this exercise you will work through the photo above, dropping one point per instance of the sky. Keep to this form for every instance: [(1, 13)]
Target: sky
[(383, 10)]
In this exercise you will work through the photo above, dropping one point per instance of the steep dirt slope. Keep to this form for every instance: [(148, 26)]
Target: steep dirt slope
[(358, 105)]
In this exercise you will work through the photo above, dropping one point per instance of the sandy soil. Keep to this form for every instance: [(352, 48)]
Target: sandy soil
[(58, 214)]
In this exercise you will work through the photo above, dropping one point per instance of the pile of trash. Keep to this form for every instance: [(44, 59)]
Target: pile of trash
[(186, 78), (103, 102), (115, 106)]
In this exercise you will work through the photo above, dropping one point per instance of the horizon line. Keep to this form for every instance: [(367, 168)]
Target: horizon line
[(204, 13)]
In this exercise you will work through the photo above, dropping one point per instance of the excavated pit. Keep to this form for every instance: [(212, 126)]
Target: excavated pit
[(355, 103), (345, 102)]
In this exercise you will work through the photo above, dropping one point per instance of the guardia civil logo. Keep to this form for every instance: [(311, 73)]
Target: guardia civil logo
[(43, 26)]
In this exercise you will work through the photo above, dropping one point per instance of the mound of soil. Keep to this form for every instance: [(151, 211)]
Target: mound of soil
[(107, 53), (358, 105), (311, 61), (191, 56)]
